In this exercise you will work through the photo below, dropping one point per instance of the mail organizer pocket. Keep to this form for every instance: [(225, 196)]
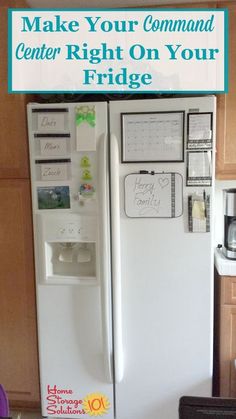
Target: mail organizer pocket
[(50, 119), (52, 145), (50, 170)]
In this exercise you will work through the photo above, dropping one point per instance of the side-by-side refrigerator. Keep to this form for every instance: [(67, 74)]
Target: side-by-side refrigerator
[(123, 222)]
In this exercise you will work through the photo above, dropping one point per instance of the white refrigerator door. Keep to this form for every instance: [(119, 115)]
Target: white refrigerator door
[(74, 309), (72, 369), (163, 300)]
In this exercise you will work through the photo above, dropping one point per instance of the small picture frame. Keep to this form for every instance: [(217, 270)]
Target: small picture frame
[(152, 137), (53, 197)]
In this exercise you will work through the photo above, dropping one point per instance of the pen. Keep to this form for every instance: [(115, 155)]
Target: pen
[(204, 198)]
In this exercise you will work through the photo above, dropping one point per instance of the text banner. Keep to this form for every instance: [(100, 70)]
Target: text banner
[(151, 50)]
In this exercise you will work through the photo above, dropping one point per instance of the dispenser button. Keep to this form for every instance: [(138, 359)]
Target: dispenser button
[(71, 230)]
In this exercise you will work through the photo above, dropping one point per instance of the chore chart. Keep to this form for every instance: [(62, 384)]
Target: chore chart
[(152, 137)]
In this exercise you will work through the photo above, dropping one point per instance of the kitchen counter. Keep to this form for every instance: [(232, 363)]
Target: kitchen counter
[(224, 266)]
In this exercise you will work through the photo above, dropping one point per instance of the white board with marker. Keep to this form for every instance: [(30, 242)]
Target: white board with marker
[(154, 195)]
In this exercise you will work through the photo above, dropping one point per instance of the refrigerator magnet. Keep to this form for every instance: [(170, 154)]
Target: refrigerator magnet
[(86, 175), (87, 190), (85, 162)]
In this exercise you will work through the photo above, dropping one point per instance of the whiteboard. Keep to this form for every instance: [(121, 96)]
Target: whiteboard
[(157, 136), (154, 195)]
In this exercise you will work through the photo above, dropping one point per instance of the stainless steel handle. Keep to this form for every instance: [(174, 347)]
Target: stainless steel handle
[(116, 265), (104, 255)]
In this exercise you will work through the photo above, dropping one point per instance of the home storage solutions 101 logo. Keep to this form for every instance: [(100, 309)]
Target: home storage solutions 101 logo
[(63, 402), (126, 50)]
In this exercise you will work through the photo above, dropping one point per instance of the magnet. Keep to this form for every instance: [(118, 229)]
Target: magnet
[(86, 175), (85, 162), (86, 190), (85, 114)]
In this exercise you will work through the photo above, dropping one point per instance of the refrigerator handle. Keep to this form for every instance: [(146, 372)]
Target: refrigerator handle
[(104, 256), (116, 264)]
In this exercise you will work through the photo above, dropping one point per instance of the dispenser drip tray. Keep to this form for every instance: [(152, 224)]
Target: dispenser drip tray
[(75, 260)]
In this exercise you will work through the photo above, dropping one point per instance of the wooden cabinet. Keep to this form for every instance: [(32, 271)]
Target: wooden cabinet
[(18, 353), (226, 109), (18, 336), (225, 336), (13, 127), (13, 136)]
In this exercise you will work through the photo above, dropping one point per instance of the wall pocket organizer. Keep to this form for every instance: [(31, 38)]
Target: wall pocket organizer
[(199, 212), (50, 145), (150, 194), (50, 119), (48, 170)]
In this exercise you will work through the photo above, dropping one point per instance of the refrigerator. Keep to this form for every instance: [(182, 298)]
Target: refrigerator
[(122, 201)]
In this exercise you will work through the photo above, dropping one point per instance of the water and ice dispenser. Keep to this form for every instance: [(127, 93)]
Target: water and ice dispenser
[(68, 246)]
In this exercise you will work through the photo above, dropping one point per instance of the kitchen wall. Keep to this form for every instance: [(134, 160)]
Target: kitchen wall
[(219, 210)]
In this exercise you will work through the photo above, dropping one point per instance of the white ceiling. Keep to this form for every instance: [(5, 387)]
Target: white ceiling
[(81, 4)]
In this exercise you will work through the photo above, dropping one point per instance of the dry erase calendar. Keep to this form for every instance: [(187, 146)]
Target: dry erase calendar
[(156, 136)]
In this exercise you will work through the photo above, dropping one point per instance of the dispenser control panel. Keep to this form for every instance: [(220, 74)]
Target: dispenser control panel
[(75, 231), (63, 228)]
